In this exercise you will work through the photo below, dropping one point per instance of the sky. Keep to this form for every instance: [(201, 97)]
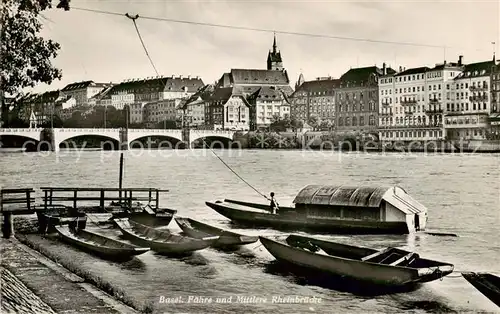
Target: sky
[(106, 48)]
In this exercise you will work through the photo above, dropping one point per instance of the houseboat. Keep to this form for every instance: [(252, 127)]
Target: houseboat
[(335, 210)]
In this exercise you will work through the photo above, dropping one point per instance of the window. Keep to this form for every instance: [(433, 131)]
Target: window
[(361, 121), (354, 121), (372, 120)]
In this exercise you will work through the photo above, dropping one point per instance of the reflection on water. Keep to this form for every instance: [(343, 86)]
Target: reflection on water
[(461, 193)]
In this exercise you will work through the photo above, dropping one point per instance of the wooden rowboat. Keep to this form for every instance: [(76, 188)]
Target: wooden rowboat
[(100, 245), (391, 267), (487, 284), (199, 230), (55, 215), (144, 215), (162, 241)]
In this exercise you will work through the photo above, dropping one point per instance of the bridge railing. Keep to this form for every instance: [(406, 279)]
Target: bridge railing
[(20, 130), (212, 131), (86, 130), (155, 130)]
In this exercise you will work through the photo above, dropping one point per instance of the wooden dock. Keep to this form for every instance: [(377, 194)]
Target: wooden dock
[(74, 197), (75, 202), (15, 202)]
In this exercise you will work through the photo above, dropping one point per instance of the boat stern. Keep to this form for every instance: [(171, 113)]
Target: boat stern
[(434, 273)]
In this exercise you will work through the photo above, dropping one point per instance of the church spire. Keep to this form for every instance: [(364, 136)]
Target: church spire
[(274, 43), (274, 61)]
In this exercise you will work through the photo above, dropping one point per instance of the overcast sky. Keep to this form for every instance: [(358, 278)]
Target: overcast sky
[(106, 48)]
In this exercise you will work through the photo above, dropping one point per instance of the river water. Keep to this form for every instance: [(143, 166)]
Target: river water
[(461, 192)]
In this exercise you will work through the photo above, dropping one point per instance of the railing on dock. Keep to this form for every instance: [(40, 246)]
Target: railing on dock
[(15, 202), (125, 196)]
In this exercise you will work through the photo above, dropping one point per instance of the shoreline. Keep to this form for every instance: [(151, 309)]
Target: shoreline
[(30, 248)]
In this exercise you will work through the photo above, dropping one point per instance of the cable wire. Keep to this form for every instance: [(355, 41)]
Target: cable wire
[(133, 18), (225, 164), (268, 30)]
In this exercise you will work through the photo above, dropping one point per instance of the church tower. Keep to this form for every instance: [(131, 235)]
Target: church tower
[(274, 61), (300, 81)]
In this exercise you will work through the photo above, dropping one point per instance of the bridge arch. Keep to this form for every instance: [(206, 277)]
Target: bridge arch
[(33, 134), (63, 135), (155, 141), (135, 134)]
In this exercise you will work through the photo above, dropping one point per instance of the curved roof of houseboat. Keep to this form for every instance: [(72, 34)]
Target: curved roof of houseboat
[(359, 196)]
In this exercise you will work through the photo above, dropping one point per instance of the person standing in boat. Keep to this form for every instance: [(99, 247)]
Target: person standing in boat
[(274, 204)]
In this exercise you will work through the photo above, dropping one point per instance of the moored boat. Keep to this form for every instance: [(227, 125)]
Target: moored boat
[(143, 214), (53, 216), (162, 241), (100, 245), (391, 267), (487, 284), (335, 209), (199, 230)]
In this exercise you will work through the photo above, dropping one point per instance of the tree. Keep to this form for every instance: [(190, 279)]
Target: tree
[(325, 125), (26, 57), (280, 124), (314, 121)]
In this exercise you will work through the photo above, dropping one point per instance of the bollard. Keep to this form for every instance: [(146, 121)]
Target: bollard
[(8, 225)]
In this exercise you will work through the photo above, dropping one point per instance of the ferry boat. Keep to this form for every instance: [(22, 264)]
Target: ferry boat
[(335, 210)]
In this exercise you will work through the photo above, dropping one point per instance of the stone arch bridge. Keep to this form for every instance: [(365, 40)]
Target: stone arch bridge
[(59, 135)]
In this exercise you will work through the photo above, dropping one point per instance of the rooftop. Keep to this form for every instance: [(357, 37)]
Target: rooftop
[(476, 69), (257, 76), (360, 75), (319, 85), (413, 71), (84, 84)]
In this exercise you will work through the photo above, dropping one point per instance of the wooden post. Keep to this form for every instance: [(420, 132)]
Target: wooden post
[(45, 201), (8, 225), (157, 199), (120, 182), (28, 197), (102, 199), (74, 198)]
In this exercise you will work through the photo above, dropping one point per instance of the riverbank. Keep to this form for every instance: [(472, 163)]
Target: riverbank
[(33, 283)]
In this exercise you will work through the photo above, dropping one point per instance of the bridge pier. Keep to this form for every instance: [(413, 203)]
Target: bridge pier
[(186, 132), (49, 136), (124, 144)]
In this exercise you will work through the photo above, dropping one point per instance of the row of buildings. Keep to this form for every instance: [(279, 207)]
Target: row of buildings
[(451, 100)]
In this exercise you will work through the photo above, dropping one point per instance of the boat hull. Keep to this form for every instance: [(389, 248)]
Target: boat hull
[(163, 242), (199, 230), (100, 245), (487, 284), (293, 221), (362, 271), (151, 220)]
